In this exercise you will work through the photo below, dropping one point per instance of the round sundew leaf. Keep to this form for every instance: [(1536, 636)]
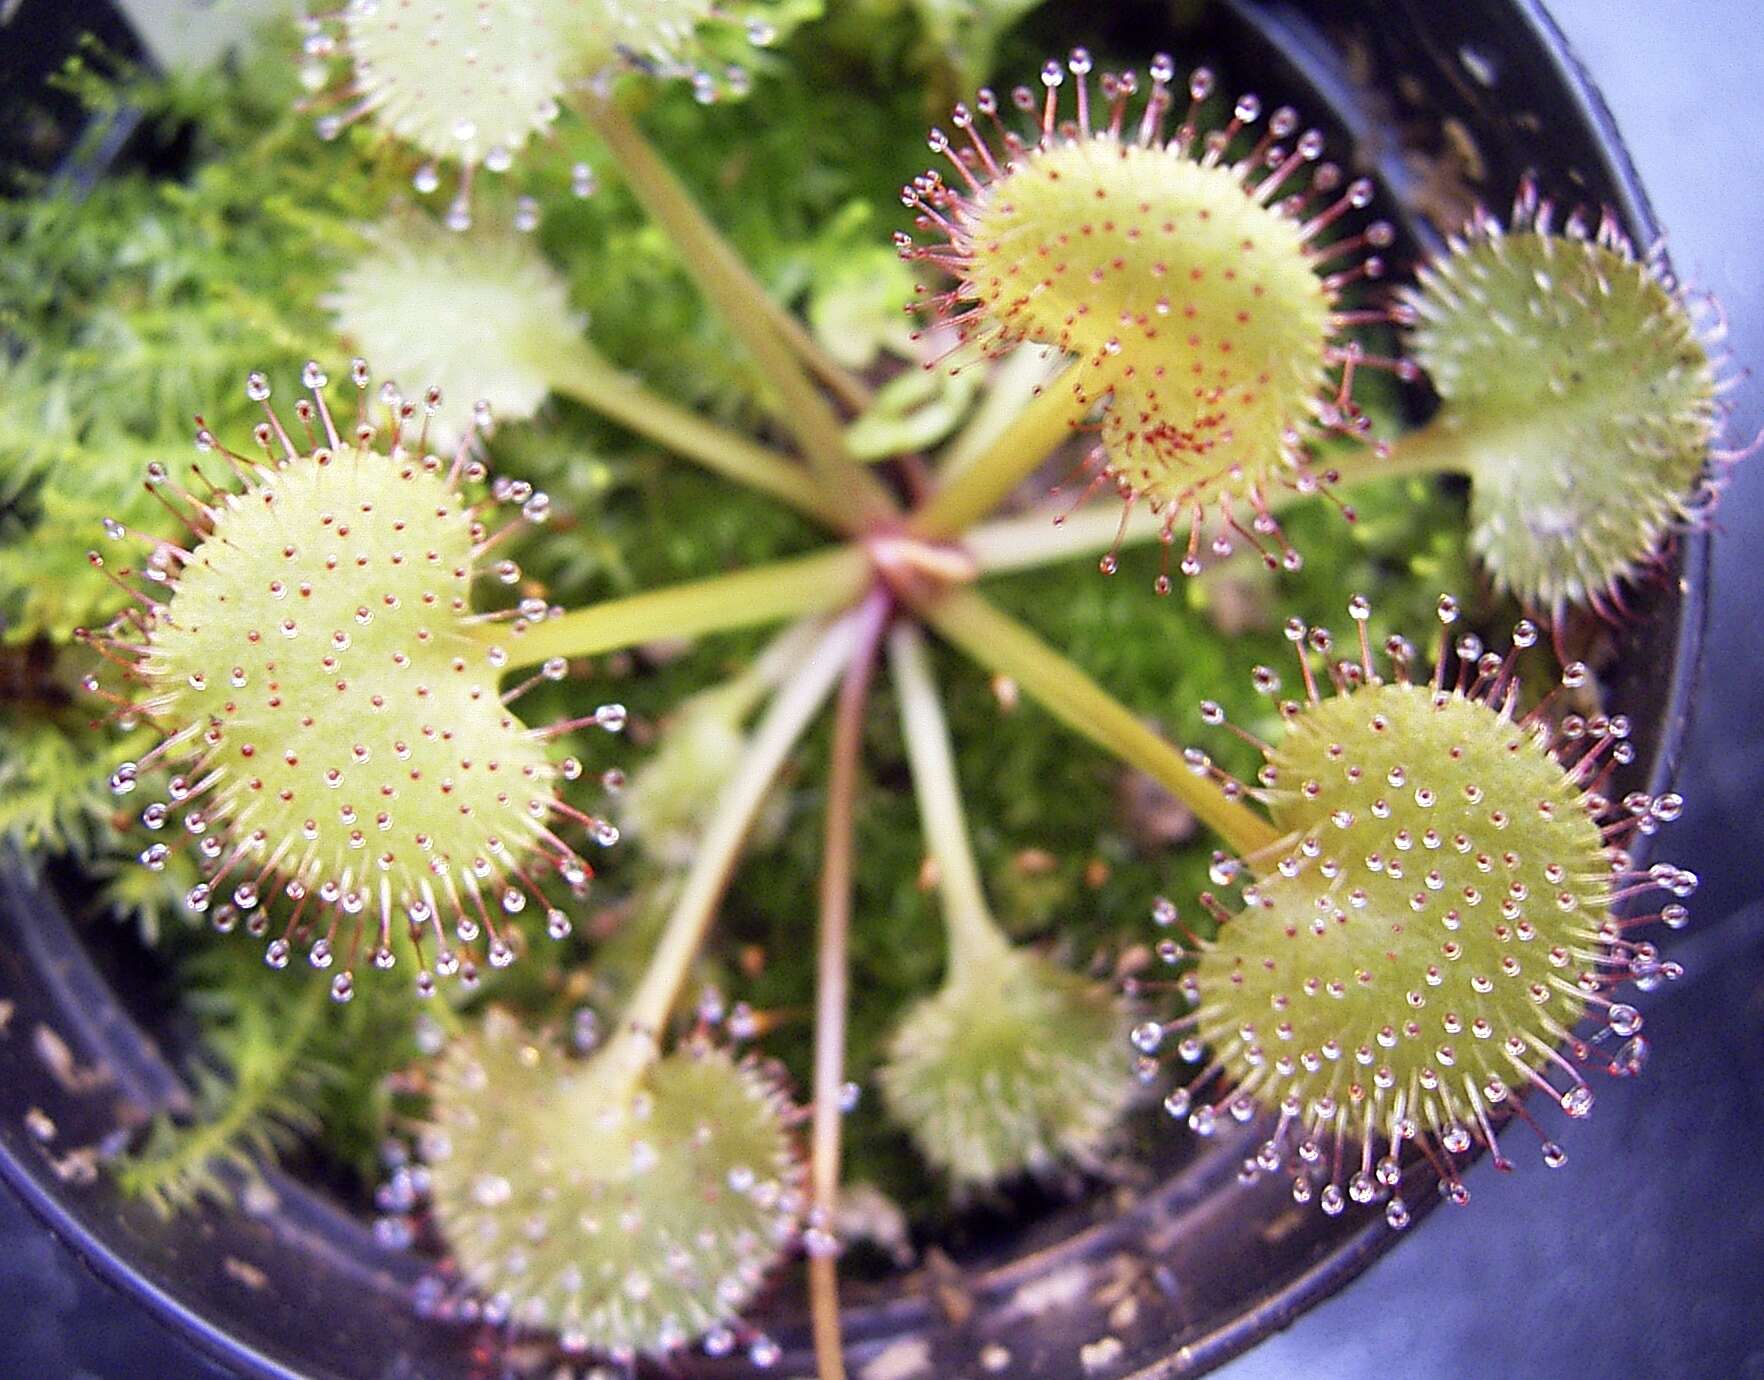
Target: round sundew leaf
[(329, 719), (1447, 875), (1450, 896), (604, 35), (1192, 267), (1580, 399), (480, 314), (629, 1220), (1009, 1069), (459, 80), (315, 647), (1194, 301)]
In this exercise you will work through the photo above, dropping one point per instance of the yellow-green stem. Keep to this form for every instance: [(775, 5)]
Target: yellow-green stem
[(1054, 533), (1431, 449), (746, 307), (975, 939), (1012, 456), (592, 381), (1001, 644), (777, 661), (637, 1040), (1014, 383), (816, 583), (1050, 534)]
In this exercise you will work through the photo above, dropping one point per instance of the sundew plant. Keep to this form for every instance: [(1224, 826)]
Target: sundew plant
[(656, 566)]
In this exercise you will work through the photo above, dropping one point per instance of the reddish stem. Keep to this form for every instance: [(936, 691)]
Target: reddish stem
[(833, 978)]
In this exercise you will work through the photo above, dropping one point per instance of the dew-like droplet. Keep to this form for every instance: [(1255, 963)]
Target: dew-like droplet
[(1631, 1057), (1624, 1020), (491, 1190)]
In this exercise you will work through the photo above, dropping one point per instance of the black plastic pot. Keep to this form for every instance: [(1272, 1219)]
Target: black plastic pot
[(1441, 103)]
